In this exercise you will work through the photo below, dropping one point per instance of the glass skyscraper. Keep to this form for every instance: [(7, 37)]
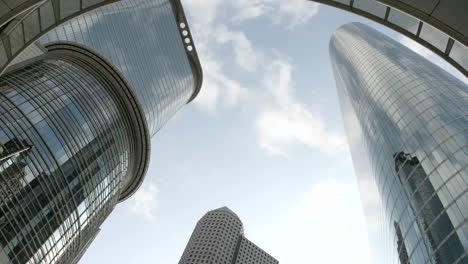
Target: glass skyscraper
[(76, 122), (142, 38), (73, 139), (406, 123)]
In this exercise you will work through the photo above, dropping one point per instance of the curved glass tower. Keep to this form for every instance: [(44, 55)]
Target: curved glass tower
[(73, 141), (406, 124), (149, 41)]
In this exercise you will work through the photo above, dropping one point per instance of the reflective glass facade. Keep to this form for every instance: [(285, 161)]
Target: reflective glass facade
[(406, 123), (144, 40), (66, 146)]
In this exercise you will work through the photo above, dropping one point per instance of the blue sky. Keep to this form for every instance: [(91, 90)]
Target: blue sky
[(264, 137)]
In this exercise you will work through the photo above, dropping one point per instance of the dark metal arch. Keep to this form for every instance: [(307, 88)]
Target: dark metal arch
[(26, 23), (454, 50)]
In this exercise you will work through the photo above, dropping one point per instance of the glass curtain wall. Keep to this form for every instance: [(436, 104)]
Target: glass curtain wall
[(64, 146), (406, 124), (142, 39)]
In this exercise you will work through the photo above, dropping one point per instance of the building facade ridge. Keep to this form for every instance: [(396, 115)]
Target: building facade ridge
[(186, 38)]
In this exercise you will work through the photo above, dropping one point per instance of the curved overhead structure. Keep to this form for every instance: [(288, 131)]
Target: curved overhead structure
[(448, 16), (23, 21), (11, 11), (438, 25)]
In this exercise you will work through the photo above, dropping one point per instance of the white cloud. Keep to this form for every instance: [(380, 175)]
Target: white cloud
[(278, 80), (298, 11), (291, 12), (144, 202), (295, 124), (245, 56), (217, 85), (210, 25), (250, 9), (286, 122), (204, 11), (333, 211)]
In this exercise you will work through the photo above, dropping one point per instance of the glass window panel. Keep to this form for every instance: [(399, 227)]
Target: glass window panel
[(405, 21), (460, 54), (346, 2), (434, 37), (47, 15), (87, 3), (3, 56), (31, 26), (371, 6), (68, 7), (3, 8), (16, 39)]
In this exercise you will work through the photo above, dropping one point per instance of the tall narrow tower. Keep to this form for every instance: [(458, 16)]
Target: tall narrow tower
[(406, 124), (219, 238)]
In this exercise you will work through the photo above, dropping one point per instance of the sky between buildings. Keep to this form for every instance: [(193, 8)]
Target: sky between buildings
[(264, 137)]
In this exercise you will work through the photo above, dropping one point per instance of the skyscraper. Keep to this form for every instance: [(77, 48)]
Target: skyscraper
[(76, 141), (219, 238), (76, 121), (406, 123), (150, 43)]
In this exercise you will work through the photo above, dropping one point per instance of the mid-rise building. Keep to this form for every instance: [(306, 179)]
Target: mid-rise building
[(407, 128), (219, 238)]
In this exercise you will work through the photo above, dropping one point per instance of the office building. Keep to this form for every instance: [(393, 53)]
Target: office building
[(143, 39), (76, 122), (406, 123), (75, 140), (219, 238)]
